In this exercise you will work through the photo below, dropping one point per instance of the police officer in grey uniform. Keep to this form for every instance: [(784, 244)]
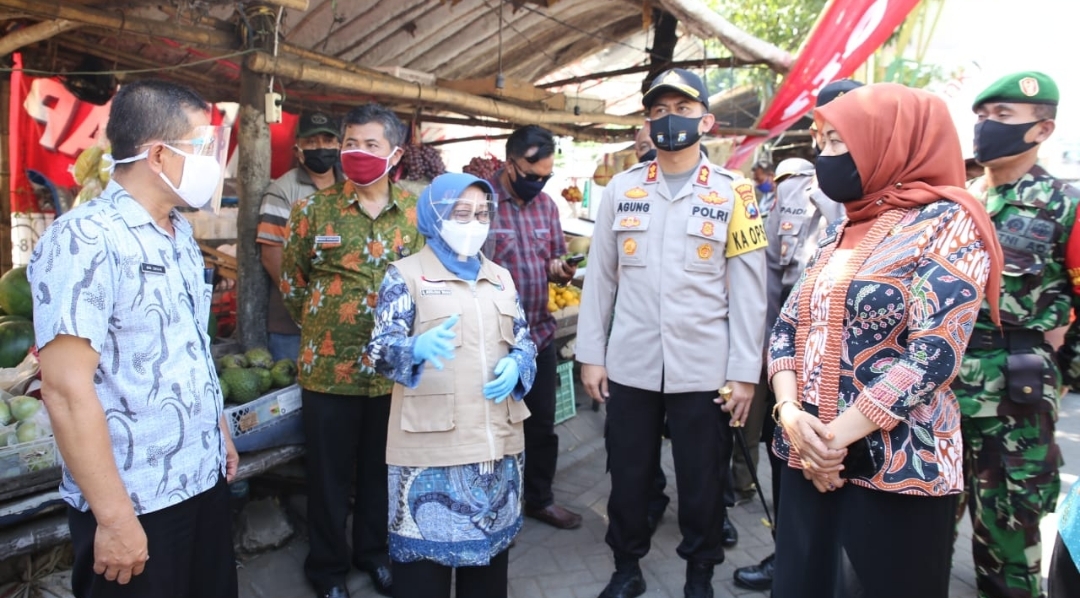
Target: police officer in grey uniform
[(672, 310), (801, 211)]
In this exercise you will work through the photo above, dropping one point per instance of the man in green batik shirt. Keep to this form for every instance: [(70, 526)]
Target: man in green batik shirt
[(1011, 378), (340, 241)]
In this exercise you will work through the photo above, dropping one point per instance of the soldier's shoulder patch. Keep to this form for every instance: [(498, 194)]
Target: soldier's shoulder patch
[(746, 231)]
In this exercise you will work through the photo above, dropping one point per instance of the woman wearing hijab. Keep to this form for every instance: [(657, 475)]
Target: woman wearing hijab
[(449, 330), (864, 351)]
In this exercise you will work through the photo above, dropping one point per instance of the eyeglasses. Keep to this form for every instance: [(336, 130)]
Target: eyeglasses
[(528, 176), (464, 215)]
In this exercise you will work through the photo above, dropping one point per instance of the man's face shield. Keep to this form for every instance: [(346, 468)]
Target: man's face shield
[(207, 141)]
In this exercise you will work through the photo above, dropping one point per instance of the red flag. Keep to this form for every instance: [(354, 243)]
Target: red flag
[(844, 37)]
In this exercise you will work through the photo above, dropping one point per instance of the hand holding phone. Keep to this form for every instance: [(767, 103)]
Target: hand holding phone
[(575, 259)]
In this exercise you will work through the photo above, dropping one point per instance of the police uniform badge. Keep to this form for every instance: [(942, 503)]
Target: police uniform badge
[(629, 247)]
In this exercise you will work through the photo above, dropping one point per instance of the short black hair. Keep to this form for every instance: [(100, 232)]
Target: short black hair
[(149, 110), (1045, 111), (393, 128), (522, 140), (764, 166)]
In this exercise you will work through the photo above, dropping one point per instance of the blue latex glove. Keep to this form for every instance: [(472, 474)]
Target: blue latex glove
[(435, 343), (506, 378)]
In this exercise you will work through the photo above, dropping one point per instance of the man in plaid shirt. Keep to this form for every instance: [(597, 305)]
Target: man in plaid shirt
[(527, 239)]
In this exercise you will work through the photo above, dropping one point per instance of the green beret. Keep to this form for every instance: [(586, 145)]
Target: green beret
[(1028, 87)]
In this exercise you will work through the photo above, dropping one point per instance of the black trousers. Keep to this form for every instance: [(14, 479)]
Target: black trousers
[(190, 547), (427, 579), (861, 543), (541, 441), (345, 441), (1064, 578), (701, 447)]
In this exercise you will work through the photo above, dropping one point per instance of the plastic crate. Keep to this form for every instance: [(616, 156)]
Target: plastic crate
[(565, 407), (28, 457), (270, 420)]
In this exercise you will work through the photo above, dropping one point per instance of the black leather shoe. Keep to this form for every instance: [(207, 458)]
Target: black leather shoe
[(380, 577), (698, 581), (731, 535), (756, 577), (334, 592), (626, 582)]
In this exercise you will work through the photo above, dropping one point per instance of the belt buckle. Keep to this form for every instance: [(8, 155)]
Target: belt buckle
[(986, 340)]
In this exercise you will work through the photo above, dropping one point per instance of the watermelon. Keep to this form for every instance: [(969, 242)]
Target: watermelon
[(16, 338), (15, 293)]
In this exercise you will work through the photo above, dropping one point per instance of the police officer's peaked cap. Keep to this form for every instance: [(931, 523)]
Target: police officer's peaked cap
[(793, 167), (834, 90), (1028, 87), (313, 123), (680, 81)]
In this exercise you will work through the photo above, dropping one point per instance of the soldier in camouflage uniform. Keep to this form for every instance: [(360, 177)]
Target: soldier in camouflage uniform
[(1010, 379)]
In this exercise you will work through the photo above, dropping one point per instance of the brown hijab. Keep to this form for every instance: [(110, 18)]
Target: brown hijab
[(906, 148)]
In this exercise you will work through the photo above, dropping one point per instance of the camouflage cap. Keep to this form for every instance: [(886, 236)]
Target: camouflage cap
[(1027, 87), (680, 81)]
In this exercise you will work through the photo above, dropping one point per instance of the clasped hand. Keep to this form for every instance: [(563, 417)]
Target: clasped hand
[(435, 343), (822, 463)]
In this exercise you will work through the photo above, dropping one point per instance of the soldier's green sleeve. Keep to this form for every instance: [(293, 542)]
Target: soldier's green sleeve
[(296, 259)]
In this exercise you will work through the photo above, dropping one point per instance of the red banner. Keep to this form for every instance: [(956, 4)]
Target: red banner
[(847, 33), (49, 127)]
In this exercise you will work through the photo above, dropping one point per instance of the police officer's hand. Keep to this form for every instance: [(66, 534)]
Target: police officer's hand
[(560, 272), (738, 405), (594, 379)]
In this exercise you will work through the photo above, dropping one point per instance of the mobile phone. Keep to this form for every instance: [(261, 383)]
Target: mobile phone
[(575, 260)]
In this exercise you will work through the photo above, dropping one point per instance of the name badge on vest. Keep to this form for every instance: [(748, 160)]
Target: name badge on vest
[(328, 240), (152, 269), (433, 287)]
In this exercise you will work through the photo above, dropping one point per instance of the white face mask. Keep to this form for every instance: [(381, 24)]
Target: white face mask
[(198, 180), (465, 239)]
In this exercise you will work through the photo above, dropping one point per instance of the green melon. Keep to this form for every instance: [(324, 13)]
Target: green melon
[(15, 293)]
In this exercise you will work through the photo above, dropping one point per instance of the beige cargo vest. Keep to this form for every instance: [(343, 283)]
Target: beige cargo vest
[(446, 420)]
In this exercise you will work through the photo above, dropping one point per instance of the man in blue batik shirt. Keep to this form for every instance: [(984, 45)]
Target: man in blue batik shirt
[(121, 303)]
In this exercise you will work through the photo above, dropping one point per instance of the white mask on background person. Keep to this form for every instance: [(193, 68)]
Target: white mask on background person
[(198, 180), (465, 239)]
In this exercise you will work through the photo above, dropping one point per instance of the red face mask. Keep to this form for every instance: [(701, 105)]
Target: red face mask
[(364, 168)]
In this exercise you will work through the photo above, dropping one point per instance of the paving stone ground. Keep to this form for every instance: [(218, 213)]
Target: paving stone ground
[(550, 563)]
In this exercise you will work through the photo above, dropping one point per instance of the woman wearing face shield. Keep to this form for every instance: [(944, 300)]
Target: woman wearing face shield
[(450, 331)]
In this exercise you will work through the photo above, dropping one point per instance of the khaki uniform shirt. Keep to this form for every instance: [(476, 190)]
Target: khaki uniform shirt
[(684, 275)]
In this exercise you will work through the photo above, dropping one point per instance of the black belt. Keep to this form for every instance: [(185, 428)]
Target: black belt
[(1019, 339)]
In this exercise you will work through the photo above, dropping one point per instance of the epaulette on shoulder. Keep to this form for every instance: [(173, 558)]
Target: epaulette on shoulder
[(731, 174)]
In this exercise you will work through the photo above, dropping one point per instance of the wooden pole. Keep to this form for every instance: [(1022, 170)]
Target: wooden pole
[(253, 176), (5, 174), (35, 33), (291, 68), (198, 36), (723, 62)]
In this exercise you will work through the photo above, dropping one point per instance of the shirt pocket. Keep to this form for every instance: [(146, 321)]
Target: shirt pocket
[(508, 311), (433, 311), (704, 244), (788, 235), (516, 410), (631, 234), (505, 245), (542, 242), (430, 406)]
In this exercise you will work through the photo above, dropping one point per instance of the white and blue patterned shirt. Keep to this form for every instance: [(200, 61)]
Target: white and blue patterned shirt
[(107, 273)]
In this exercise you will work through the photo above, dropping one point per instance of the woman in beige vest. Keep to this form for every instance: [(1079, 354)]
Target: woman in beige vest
[(450, 331)]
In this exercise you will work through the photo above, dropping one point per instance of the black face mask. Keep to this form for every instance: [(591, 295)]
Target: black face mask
[(838, 177), (995, 140), (648, 156), (673, 133), (527, 186), (320, 160)]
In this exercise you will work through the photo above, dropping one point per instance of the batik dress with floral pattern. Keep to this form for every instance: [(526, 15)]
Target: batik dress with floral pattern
[(909, 312), (459, 515)]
